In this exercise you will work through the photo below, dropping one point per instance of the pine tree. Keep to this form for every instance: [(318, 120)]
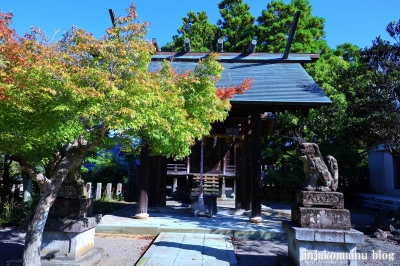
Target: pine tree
[(273, 27), (201, 33), (236, 26)]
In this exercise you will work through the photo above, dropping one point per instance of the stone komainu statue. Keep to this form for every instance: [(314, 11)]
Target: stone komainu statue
[(321, 175)]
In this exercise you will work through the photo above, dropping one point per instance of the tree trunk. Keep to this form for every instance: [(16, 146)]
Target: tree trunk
[(48, 190), (33, 238)]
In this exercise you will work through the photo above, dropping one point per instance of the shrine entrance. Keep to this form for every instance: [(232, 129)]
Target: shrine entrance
[(232, 151)]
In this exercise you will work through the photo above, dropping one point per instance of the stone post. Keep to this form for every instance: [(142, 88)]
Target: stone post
[(119, 190), (108, 192), (98, 191), (89, 189), (27, 184)]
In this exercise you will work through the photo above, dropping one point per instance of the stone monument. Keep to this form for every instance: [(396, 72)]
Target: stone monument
[(69, 232), (319, 232)]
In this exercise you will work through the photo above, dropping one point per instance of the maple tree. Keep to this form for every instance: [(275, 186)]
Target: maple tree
[(58, 101)]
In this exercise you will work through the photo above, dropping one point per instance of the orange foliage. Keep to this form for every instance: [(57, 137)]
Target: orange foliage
[(227, 93), (17, 54)]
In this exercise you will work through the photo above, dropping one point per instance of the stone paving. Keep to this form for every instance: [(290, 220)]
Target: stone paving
[(180, 219), (186, 239), (189, 249)]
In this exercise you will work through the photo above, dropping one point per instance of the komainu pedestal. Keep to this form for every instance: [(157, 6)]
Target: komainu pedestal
[(320, 229), (320, 210), (322, 247), (68, 236), (325, 199)]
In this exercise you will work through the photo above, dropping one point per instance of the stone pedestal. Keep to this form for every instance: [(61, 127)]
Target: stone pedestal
[(69, 240), (73, 191), (68, 236), (323, 246), (316, 198), (321, 218), (320, 231), (71, 208), (67, 244), (322, 210)]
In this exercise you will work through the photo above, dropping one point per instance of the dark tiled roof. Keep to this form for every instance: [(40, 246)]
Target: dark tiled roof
[(276, 84)]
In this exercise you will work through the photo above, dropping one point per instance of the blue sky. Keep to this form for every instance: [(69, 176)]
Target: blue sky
[(357, 22)]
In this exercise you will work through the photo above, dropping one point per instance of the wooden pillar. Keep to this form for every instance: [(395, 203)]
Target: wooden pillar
[(158, 181), (239, 174), (143, 184), (255, 147), (243, 181), (247, 193), (152, 177)]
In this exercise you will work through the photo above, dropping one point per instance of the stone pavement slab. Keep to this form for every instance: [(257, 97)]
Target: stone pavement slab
[(189, 249), (186, 239), (180, 219)]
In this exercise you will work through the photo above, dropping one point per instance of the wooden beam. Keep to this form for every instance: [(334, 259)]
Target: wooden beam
[(291, 35), (227, 57), (112, 16)]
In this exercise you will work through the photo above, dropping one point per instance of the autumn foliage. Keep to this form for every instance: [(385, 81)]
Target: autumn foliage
[(59, 99), (228, 93)]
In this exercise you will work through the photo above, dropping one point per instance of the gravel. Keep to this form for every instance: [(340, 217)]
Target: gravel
[(122, 250)]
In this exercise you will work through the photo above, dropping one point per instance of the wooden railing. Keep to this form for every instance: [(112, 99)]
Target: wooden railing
[(210, 184), (178, 168)]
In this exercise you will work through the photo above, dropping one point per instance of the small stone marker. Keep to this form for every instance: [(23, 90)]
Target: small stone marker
[(98, 191), (108, 193), (119, 190), (89, 189)]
